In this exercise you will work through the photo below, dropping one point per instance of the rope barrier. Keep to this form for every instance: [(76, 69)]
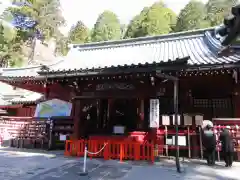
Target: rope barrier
[(94, 153), (84, 173)]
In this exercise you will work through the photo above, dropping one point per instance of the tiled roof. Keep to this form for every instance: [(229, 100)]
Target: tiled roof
[(27, 98), (200, 46), (9, 96), (30, 71)]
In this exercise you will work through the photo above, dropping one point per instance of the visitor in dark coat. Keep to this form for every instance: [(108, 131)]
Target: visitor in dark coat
[(227, 146), (209, 142)]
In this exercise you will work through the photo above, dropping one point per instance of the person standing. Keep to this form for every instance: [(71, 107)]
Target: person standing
[(227, 146), (209, 142)]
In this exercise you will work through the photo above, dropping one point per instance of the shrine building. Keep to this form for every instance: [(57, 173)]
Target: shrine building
[(111, 83)]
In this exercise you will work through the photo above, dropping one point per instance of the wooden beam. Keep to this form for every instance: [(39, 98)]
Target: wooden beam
[(113, 97), (164, 76)]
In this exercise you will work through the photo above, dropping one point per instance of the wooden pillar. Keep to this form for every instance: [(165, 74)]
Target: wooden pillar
[(76, 119), (109, 114), (46, 91), (236, 101), (141, 114)]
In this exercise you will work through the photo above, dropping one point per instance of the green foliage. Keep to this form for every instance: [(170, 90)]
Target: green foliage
[(135, 27), (46, 13), (79, 33), (218, 9), (156, 20), (10, 49), (107, 27), (49, 18), (62, 45), (192, 16)]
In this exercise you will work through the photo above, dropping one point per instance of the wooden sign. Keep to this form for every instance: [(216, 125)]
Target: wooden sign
[(165, 120), (178, 119), (114, 86), (182, 141), (199, 120), (187, 119), (154, 113)]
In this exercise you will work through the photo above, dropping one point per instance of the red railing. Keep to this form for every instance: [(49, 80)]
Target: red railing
[(122, 150)]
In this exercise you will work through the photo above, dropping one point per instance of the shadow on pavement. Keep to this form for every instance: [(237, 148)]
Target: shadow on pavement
[(34, 151)]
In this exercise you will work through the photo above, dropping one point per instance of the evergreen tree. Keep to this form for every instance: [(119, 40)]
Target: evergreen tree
[(156, 20), (79, 33), (218, 9), (192, 16), (107, 27)]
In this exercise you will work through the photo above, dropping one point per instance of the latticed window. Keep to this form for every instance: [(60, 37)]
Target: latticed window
[(202, 103), (221, 107), (212, 103), (221, 103)]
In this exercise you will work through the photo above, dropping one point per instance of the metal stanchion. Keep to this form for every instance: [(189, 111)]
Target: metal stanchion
[(189, 142), (166, 134), (84, 172), (200, 138)]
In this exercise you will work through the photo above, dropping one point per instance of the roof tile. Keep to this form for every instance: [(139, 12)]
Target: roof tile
[(200, 45)]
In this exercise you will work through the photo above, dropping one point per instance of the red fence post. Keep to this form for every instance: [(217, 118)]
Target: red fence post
[(121, 151), (106, 152), (136, 151), (67, 152), (152, 152)]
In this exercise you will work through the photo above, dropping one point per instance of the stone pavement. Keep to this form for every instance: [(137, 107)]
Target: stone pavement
[(27, 165)]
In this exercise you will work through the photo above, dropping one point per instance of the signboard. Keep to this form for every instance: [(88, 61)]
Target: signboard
[(119, 86), (154, 113), (182, 141), (118, 129), (169, 141), (178, 119), (54, 107), (199, 120), (165, 120), (62, 137), (187, 120)]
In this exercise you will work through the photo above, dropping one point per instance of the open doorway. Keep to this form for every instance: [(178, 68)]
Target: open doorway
[(124, 113)]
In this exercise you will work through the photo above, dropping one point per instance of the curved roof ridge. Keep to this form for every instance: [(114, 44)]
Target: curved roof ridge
[(153, 41), (146, 39)]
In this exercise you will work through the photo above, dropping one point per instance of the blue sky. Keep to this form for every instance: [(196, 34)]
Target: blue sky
[(88, 10)]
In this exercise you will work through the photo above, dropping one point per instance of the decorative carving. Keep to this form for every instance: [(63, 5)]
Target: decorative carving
[(120, 86)]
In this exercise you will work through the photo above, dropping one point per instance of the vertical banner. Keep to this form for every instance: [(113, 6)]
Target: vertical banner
[(154, 113)]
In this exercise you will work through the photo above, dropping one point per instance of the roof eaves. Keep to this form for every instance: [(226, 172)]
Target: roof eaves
[(105, 70), (25, 69)]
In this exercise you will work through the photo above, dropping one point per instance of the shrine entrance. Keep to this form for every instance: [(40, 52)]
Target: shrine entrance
[(101, 115), (124, 113)]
